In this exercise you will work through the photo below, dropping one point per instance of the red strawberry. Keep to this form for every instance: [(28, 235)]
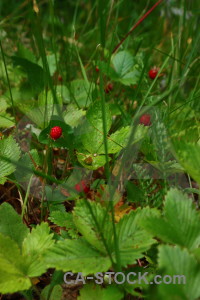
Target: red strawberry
[(97, 69), (82, 187), (145, 120), (109, 88), (60, 78), (55, 132), (153, 72)]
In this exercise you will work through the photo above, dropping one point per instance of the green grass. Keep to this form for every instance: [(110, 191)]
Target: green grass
[(69, 38)]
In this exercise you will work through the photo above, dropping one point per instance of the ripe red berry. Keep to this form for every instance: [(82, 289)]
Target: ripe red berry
[(153, 72), (145, 120), (97, 69), (82, 187), (60, 78), (55, 132), (109, 88)]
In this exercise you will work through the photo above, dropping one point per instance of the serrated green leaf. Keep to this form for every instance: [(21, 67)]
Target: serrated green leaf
[(3, 180), (188, 155), (87, 227), (180, 223), (17, 267), (34, 248), (10, 150), (6, 120), (38, 240), (117, 140), (11, 224), (176, 261), (132, 239), (73, 115), (12, 273), (77, 256), (64, 219)]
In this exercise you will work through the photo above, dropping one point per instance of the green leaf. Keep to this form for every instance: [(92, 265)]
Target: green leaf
[(132, 239), (92, 130), (47, 99), (17, 267), (140, 133), (122, 61), (10, 150), (180, 223), (93, 292), (64, 219), (35, 246), (12, 273), (47, 106), (34, 72), (126, 67), (11, 224), (73, 115), (38, 240), (6, 120), (86, 225), (63, 92), (80, 92), (177, 261), (89, 161), (131, 77), (77, 256), (188, 155), (117, 141), (55, 293), (53, 290)]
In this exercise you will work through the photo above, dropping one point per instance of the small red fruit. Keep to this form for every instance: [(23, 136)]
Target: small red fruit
[(55, 132), (97, 69), (109, 88), (153, 72), (82, 187), (60, 78), (145, 120)]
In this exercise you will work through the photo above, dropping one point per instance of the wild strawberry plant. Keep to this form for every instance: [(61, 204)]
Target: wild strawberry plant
[(99, 151)]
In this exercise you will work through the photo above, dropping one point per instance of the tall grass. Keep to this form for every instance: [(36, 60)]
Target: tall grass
[(180, 62)]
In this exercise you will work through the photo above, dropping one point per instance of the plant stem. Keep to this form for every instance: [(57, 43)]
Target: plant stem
[(136, 25)]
